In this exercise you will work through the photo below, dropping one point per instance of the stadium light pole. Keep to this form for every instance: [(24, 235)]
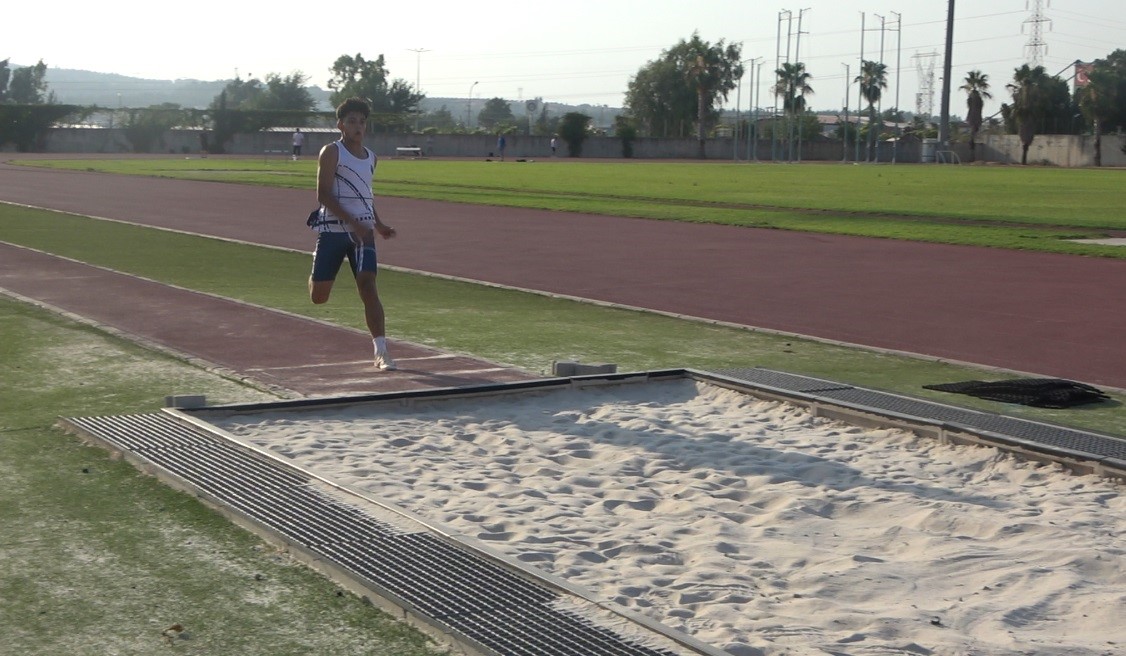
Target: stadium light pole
[(469, 107), (417, 81)]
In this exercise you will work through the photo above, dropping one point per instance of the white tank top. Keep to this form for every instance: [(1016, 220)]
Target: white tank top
[(352, 188)]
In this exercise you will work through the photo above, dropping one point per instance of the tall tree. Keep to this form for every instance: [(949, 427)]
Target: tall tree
[(873, 79), (793, 86), (391, 101), (1031, 104), (5, 75), (229, 112), (28, 86), (240, 94), (712, 71), (251, 105), (660, 102), (145, 128), (1103, 98), (439, 121), (573, 129), (976, 87), (1115, 64), (681, 89), (496, 112), (545, 123), (287, 93)]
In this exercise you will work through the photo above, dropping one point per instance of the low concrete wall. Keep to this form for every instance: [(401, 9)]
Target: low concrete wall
[(1057, 150), (277, 144), (1054, 149)]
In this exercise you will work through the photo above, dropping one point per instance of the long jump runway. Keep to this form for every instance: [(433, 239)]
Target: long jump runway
[(1046, 314)]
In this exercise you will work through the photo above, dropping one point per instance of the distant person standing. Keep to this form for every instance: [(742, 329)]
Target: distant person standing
[(298, 142), (553, 145), (500, 147)]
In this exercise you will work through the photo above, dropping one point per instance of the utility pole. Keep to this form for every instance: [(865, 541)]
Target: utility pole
[(778, 66), (738, 115), (738, 108), (944, 118), (860, 91), (873, 133), (880, 104), (845, 127), (417, 78), (751, 100), (898, 59), (797, 61), (754, 141)]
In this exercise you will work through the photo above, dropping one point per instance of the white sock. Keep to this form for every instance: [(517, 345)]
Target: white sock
[(380, 344)]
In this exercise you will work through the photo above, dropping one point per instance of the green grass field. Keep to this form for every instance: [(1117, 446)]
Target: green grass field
[(1000, 207), (97, 558)]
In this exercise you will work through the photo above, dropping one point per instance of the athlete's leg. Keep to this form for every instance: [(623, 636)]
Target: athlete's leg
[(331, 250), (373, 307), (319, 290), (363, 263)]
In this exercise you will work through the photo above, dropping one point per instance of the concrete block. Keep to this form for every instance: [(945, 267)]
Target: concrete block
[(562, 369), (186, 401)]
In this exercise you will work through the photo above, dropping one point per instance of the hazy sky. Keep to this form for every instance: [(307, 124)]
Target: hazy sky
[(574, 51)]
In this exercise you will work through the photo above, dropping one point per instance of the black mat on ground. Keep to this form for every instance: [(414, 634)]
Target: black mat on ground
[(1037, 392)]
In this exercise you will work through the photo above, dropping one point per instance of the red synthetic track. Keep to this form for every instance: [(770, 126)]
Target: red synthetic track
[(1052, 315)]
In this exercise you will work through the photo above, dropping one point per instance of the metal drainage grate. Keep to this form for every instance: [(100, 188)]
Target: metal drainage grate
[(471, 596), (1046, 437), (782, 380)]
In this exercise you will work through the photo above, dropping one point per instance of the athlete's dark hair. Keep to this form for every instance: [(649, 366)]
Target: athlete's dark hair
[(353, 104)]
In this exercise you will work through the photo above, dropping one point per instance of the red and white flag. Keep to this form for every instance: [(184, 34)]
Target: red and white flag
[(1083, 73)]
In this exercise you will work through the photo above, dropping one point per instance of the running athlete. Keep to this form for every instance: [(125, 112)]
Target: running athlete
[(347, 222)]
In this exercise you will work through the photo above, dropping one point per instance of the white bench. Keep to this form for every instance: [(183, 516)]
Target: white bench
[(408, 151)]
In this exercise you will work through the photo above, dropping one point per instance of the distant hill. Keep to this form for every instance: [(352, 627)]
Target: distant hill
[(76, 87)]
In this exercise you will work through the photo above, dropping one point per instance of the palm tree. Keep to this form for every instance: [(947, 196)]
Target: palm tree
[(712, 71), (1029, 103), (977, 87), (793, 87), (873, 79)]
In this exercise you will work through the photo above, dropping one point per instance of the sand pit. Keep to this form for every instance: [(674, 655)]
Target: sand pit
[(749, 524)]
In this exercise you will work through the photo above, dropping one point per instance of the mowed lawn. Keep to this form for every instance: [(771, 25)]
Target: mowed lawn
[(96, 558), (1030, 208)]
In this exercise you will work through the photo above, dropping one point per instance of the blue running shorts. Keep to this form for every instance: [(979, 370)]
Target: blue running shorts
[(332, 248)]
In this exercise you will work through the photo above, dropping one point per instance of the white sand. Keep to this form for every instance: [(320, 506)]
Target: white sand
[(748, 524)]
